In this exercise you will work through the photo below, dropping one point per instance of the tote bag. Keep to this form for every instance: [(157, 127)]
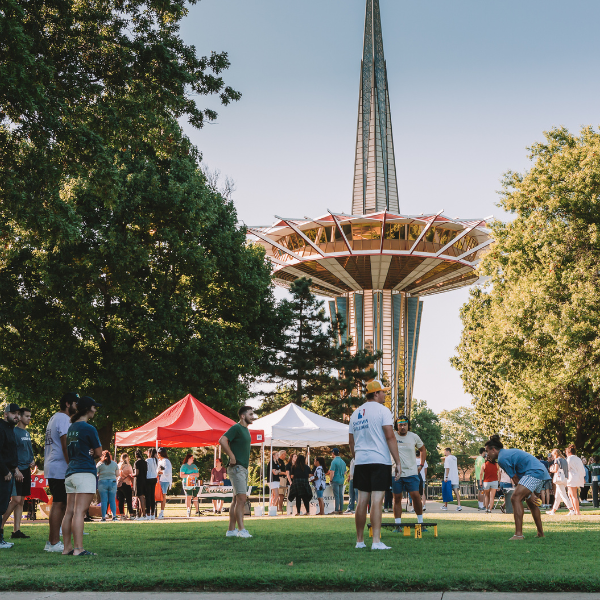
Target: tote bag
[(447, 491)]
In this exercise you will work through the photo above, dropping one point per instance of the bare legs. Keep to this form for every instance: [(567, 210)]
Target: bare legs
[(520, 493), (236, 512), (416, 500), (574, 497), (360, 516), (217, 505), (57, 514), (141, 506), (77, 505), (16, 504)]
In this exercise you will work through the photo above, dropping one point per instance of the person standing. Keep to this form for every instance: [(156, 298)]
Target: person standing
[(451, 475), (9, 462), (337, 477), (491, 480), (217, 477), (282, 478), (547, 489), (140, 471), (586, 488), (479, 462), (410, 482), (235, 442), (188, 472), (351, 492), (318, 480), (125, 486), (274, 479), (165, 473), (108, 472), (151, 479), (21, 488), (560, 471), (576, 477), (594, 468), (300, 489), (56, 460), (290, 467), (371, 438), (83, 446), (527, 474)]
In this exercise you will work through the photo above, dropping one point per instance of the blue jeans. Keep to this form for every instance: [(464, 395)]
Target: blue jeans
[(108, 495), (351, 495), (338, 494)]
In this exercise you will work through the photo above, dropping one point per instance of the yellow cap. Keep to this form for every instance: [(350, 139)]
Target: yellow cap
[(375, 386)]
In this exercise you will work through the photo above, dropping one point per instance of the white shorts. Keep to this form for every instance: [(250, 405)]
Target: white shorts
[(81, 483), (274, 485), (490, 485)]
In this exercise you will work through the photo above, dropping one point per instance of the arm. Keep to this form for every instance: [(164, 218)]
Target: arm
[(351, 442), (225, 446), (390, 438), (63, 444), (96, 452), (422, 457), (446, 474)]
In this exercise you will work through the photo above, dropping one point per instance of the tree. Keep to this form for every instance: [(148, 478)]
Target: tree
[(426, 424), (123, 273), (530, 351), (459, 431), (311, 365)]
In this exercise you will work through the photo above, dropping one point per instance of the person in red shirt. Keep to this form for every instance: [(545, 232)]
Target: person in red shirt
[(491, 479)]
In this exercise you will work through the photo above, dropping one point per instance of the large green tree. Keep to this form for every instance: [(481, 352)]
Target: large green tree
[(530, 348), (426, 424), (123, 273)]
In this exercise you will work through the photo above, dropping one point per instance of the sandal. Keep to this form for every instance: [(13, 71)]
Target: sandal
[(86, 553), (69, 553), (517, 537)]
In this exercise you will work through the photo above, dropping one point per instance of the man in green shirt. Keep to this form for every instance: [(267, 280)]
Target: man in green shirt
[(236, 444), (479, 462)]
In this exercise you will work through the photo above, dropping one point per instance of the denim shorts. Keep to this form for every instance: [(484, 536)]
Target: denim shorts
[(406, 484), (165, 487), (320, 493)]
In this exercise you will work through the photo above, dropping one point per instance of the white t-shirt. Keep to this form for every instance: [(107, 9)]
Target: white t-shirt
[(451, 463), (55, 465), (407, 446), (576, 472), (423, 470), (366, 425), (152, 468), (504, 478), (167, 474)]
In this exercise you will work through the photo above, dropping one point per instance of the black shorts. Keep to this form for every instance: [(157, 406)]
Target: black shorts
[(373, 477), (23, 488), (57, 489)]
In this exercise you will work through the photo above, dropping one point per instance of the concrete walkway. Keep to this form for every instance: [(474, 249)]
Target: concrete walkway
[(296, 596)]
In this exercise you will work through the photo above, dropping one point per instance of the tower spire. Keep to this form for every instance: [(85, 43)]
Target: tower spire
[(375, 187)]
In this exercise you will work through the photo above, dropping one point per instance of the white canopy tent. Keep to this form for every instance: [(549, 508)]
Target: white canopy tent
[(295, 427)]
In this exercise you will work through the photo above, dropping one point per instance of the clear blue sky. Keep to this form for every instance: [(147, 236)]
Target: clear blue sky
[(472, 85)]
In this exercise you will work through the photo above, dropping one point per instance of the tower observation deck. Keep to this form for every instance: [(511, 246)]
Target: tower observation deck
[(375, 264)]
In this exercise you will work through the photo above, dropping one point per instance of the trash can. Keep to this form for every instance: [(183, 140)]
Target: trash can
[(507, 503)]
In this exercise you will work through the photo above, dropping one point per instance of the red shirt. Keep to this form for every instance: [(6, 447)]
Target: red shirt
[(490, 471)]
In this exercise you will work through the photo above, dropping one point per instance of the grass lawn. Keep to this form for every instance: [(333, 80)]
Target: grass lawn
[(472, 552)]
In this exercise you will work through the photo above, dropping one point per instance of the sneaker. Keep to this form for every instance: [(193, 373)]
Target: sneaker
[(458, 508), (482, 508), (360, 545), (115, 518), (411, 510), (161, 515), (348, 511), (444, 508), (102, 520), (571, 513), (244, 533), (549, 512), (58, 547), (379, 546), (19, 535), (232, 533), (4, 545), (151, 517), (140, 518), (189, 512)]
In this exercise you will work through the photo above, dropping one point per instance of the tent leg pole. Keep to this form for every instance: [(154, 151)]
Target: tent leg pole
[(271, 474)]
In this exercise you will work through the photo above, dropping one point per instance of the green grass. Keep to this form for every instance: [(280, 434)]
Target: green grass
[(471, 553)]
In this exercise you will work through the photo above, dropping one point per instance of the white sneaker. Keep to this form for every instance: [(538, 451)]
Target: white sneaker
[(379, 546), (232, 533), (161, 515), (571, 513), (458, 508), (360, 545), (549, 512), (444, 508), (58, 547), (140, 518), (189, 512), (4, 545), (244, 533), (151, 517)]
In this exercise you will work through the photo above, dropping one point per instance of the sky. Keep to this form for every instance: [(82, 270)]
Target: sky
[(472, 85)]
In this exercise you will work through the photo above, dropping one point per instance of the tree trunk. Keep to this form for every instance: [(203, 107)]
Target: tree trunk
[(106, 436)]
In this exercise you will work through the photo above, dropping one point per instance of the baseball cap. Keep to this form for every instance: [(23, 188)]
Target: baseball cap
[(85, 403), (12, 408), (335, 451), (375, 386)]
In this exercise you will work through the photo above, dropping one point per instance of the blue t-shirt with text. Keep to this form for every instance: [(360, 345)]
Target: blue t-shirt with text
[(81, 438), (520, 463)]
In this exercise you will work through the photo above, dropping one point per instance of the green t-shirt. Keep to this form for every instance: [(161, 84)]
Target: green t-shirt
[(338, 466), (239, 442), (187, 470), (479, 462)]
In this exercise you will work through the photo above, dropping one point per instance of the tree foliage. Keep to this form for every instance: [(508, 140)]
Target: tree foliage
[(530, 348), (459, 431), (123, 273), (312, 364), (426, 424)]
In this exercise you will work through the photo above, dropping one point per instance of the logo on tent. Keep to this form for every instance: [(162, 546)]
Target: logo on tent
[(258, 437)]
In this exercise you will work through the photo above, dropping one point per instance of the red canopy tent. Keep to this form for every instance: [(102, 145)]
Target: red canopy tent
[(186, 424)]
